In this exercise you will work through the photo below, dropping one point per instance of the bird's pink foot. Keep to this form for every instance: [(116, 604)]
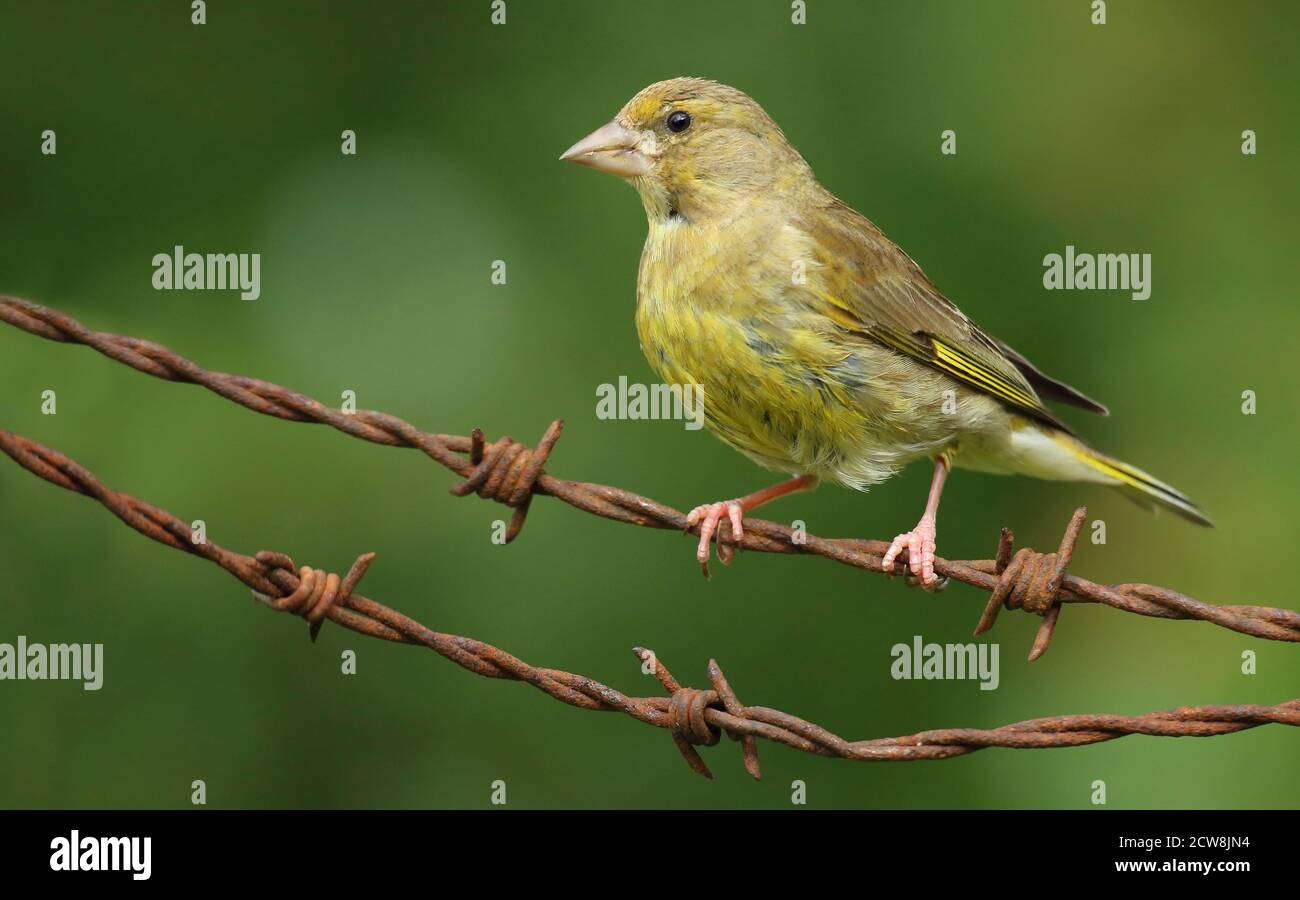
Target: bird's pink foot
[(919, 544), (709, 516)]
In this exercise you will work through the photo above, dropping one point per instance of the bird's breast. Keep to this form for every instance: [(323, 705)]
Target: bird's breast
[(720, 311)]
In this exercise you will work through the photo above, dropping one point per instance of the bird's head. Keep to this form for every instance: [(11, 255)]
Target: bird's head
[(694, 150)]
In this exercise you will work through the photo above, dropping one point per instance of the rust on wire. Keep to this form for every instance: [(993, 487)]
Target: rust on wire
[(1032, 581), (695, 718), (511, 473), (507, 472), (317, 591)]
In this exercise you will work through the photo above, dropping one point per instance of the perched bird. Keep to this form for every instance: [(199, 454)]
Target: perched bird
[(821, 348)]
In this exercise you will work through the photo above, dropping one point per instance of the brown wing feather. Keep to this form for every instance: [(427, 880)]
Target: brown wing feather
[(876, 289), (1048, 386)]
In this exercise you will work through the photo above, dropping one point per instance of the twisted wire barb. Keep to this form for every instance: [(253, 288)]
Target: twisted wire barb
[(511, 473), (695, 718)]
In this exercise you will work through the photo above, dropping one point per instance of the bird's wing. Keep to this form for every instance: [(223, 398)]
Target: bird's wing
[(1048, 386), (869, 286)]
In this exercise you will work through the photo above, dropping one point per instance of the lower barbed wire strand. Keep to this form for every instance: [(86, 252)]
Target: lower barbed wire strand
[(695, 717)]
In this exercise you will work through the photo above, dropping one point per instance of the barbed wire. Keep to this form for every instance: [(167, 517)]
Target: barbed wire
[(694, 717), (512, 473)]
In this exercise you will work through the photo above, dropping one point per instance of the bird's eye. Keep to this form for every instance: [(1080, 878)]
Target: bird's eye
[(679, 121)]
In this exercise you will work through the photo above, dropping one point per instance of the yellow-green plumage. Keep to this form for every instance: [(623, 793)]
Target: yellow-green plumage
[(781, 381), (821, 347)]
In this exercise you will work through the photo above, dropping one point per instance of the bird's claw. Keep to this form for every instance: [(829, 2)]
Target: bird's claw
[(940, 582), (709, 516), (920, 546)]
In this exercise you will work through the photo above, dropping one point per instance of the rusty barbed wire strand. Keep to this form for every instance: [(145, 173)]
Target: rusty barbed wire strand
[(511, 473), (694, 718)]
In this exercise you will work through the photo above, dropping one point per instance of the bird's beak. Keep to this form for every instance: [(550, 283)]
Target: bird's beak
[(611, 148)]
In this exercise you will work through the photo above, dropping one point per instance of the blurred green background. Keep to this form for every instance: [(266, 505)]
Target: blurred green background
[(375, 279)]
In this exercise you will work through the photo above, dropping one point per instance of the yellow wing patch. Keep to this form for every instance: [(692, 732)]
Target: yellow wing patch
[(945, 357), (968, 369)]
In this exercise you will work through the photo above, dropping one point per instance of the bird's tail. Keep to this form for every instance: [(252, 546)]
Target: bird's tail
[(1132, 482)]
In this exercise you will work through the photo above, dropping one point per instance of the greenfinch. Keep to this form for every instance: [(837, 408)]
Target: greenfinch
[(821, 349)]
